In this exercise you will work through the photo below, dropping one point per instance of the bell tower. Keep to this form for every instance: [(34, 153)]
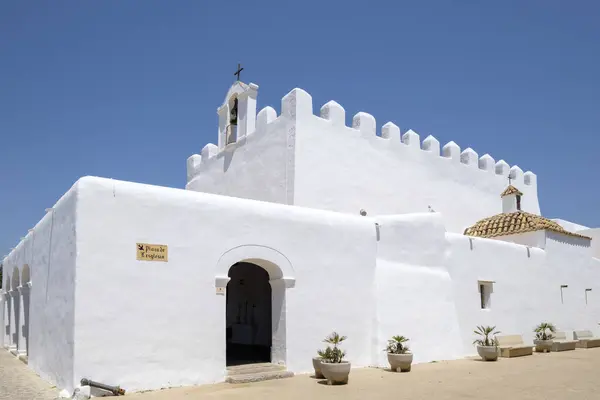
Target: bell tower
[(511, 200), (237, 114)]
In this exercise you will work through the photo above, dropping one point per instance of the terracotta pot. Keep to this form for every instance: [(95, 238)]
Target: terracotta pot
[(543, 346), (488, 353), (400, 362), (336, 373), (317, 367)]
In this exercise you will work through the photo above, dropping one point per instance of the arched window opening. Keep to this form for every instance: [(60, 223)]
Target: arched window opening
[(6, 310), (26, 275), (16, 281), (231, 131), (15, 311)]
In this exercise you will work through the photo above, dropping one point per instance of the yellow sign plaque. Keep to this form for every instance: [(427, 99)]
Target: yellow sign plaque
[(152, 252)]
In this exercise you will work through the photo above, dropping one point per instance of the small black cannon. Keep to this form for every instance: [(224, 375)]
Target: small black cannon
[(116, 390)]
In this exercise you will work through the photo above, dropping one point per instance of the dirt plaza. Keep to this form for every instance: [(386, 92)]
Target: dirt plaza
[(565, 375)]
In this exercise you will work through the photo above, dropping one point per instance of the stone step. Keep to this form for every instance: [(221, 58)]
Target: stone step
[(254, 369), (259, 376)]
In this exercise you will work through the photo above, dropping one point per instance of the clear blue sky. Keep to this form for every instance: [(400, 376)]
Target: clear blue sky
[(129, 89)]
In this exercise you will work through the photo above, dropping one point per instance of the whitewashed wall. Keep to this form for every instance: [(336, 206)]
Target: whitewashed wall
[(531, 239), (570, 226), (415, 296), (595, 235), (346, 169), (570, 261), (50, 252), (146, 325), (2, 323), (252, 168), (318, 162), (526, 288), (152, 324)]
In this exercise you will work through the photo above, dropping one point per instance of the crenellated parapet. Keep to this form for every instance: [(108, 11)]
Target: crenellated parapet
[(390, 131), (334, 113), (297, 106), (366, 124), (432, 145)]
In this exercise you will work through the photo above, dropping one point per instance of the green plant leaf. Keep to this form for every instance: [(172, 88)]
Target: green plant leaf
[(487, 334), (335, 354)]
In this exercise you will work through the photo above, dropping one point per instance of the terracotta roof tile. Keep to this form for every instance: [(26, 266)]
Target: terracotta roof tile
[(516, 222), (511, 190)]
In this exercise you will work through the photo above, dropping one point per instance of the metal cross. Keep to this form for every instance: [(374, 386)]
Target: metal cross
[(239, 71), (509, 180)]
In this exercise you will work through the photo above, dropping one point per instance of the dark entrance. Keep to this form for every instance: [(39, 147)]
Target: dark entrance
[(249, 334)]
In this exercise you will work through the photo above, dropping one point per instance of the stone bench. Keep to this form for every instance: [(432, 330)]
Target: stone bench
[(513, 346), (561, 343), (586, 340)]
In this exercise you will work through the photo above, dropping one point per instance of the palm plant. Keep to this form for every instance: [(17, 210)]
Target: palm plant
[(333, 355), (544, 331), (396, 345), (487, 336)]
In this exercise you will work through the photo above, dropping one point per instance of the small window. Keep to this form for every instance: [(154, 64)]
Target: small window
[(485, 294), (587, 294), (562, 297), (519, 202)]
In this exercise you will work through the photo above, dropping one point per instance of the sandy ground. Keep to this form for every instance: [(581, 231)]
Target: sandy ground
[(566, 375)]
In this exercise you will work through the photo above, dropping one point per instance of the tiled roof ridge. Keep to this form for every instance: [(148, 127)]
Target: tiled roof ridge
[(513, 223), (511, 190)]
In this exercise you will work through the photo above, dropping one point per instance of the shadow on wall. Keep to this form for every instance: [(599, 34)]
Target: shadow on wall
[(228, 158), (26, 284), (6, 311), (570, 240), (25, 326), (229, 152), (7, 320), (16, 305)]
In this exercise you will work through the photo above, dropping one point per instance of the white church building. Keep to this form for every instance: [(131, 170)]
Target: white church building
[(290, 227)]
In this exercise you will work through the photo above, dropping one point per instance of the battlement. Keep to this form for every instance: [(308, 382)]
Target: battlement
[(297, 105), (365, 123)]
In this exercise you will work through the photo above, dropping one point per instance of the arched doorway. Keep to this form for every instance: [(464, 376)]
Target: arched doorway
[(248, 315)]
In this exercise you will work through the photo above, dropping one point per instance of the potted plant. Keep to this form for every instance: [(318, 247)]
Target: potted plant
[(333, 366), (398, 354), (544, 337), (487, 344), (317, 365)]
